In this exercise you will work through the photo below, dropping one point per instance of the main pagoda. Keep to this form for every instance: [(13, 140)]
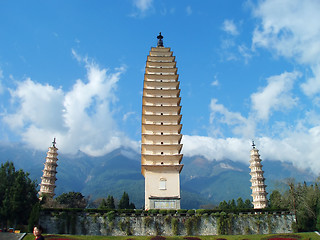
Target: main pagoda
[(258, 187), (48, 178), (161, 130)]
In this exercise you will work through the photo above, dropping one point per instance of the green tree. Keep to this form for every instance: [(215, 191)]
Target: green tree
[(240, 203), (103, 204), (223, 205), (18, 195), (275, 200), (248, 204), (110, 202), (124, 202), (232, 204), (72, 200), (304, 201)]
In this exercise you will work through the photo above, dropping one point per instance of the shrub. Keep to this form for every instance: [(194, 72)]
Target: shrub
[(182, 211), (174, 226), (201, 211), (191, 211), (111, 216), (167, 219), (147, 221), (163, 211), (153, 211), (138, 211), (171, 211)]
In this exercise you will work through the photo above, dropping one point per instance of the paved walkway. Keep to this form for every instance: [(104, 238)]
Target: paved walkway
[(11, 236)]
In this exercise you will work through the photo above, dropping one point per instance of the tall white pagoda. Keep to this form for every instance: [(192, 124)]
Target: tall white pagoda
[(258, 187), (161, 137), (48, 178)]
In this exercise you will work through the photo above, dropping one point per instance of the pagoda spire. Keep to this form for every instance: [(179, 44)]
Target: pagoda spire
[(258, 187), (48, 178), (160, 41)]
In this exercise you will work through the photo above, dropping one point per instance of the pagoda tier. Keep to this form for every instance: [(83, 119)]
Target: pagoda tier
[(258, 187), (48, 178), (161, 130)]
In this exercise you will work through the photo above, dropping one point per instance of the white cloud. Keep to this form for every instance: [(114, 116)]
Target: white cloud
[(143, 5), (215, 83), (245, 52), (189, 10), (240, 125), (218, 149), (296, 142), (127, 115), (229, 27), (312, 85), (303, 154), (80, 119), (276, 96), (291, 28), (1, 77)]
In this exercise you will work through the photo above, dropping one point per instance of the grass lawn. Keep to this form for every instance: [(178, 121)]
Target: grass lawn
[(292, 236)]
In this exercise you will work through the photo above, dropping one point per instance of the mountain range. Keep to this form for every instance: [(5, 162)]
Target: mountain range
[(203, 183)]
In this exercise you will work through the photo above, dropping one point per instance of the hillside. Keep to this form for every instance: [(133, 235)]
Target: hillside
[(202, 182)]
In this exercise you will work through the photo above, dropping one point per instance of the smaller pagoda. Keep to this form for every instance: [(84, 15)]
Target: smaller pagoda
[(48, 178), (258, 187)]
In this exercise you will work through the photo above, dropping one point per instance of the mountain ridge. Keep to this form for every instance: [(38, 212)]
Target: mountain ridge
[(203, 182)]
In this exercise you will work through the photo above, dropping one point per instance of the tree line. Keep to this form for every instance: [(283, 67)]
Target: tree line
[(303, 200), (19, 203), (235, 204), (18, 196)]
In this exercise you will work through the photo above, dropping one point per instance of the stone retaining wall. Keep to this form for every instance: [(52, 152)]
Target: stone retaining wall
[(110, 223)]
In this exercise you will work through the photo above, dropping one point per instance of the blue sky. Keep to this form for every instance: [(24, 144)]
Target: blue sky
[(248, 70)]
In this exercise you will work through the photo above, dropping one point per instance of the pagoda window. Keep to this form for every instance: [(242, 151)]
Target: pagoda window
[(162, 184)]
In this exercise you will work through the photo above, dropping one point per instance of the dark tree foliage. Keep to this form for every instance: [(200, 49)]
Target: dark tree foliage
[(275, 200), (234, 205), (107, 204), (303, 200), (18, 195), (248, 204), (240, 203), (103, 204), (124, 202), (110, 202), (72, 200), (223, 205)]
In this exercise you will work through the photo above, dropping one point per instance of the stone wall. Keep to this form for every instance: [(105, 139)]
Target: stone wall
[(111, 223)]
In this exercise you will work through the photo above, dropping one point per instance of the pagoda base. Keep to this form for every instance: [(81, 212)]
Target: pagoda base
[(164, 202)]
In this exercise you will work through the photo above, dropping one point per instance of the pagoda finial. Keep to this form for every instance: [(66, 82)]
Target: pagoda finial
[(253, 145), (54, 142), (160, 42)]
